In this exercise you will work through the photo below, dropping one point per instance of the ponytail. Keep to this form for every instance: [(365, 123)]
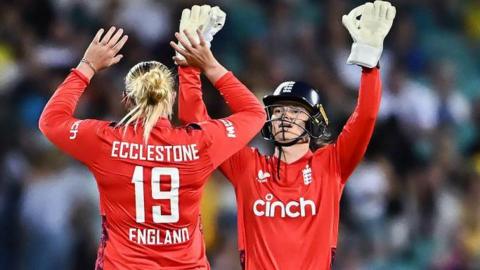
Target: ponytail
[(149, 87)]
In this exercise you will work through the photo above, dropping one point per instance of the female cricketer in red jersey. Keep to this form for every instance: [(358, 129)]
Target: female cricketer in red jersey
[(288, 203), (150, 175)]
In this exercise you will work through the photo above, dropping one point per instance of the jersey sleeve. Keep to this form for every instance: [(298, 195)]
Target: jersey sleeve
[(76, 137), (229, 135), (352, 142), (237, 163), (191, 107)]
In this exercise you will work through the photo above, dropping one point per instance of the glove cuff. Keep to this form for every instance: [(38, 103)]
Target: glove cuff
[(364, 55)]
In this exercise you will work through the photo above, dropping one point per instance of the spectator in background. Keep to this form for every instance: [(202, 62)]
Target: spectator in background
[(47, 211), (472, 20), (452, 107), (411, 102), (367, 194)]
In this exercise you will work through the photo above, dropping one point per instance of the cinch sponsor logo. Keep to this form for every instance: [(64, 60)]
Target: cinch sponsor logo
[(229, 127), (293, 209)]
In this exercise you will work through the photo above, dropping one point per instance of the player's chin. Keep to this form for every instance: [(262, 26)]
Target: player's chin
[(285, 137)]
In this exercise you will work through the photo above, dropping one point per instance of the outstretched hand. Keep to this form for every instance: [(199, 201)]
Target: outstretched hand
[(369, 31), (103, 51), (209, 19), (197, 54)]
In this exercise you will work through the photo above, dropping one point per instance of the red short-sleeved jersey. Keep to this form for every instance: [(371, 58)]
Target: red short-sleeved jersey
[(150, 193), (289, 221)]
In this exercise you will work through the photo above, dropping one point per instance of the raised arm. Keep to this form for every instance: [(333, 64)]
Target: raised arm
[(368, 33), (208, 20), (352, 142), (57, 122), (230, 134), (191, 107)]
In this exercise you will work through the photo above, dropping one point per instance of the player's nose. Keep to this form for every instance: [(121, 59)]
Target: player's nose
[(287, 115)]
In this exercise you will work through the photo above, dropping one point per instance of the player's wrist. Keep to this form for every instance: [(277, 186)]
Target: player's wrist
[(364, 55), (214, 71), (85, 69), (210, 66)]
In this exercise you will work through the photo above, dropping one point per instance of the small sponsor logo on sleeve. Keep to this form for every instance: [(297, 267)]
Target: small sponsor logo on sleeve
[(229, 128), (74, 130)]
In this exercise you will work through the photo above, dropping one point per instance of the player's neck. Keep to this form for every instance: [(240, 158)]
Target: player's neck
[(293, 153)]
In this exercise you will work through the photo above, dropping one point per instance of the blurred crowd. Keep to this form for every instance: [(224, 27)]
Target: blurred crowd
[(413, 203)]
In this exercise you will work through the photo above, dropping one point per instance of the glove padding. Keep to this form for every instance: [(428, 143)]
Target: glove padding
[(369, 31), (215, 24), (210, 20)]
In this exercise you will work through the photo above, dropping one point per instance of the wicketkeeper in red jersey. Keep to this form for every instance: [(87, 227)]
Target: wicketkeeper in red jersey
[(150, 175), (288, 203)]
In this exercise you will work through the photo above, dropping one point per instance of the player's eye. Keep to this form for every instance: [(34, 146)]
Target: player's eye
[(296, 111), (277, 110)]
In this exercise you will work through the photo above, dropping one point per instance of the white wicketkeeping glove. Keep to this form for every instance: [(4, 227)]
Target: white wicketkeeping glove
[(215, 24), (211, 20), (369, 31)]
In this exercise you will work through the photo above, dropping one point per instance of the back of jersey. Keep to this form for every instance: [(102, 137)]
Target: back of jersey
[(150, 195), (150, 192)]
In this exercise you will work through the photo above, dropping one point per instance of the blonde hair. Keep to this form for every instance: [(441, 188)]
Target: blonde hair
[(149, 88)]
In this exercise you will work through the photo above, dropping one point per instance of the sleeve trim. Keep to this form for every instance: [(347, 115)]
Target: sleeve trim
[(225, 78), (80, 75)]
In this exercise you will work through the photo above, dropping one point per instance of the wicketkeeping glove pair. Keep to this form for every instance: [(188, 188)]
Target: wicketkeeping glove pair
[(368, 25), (209, 19), (368, 31)]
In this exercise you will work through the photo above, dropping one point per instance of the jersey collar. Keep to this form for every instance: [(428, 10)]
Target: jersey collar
[(306, 156)]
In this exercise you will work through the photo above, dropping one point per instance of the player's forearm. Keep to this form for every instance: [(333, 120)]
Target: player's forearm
[(242, 102), (353, 141), (86, 70), (237, 96), (214, 71), (191, 107), (369, 94), (62, 104), (363, 118)]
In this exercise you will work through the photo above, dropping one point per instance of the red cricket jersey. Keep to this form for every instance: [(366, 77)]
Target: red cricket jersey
[(150, 193), (290, 221)]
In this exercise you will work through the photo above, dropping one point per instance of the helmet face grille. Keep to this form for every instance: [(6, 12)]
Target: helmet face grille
[(315, 126)]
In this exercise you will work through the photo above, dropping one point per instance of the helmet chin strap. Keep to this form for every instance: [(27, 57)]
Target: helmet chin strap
[(294, 141), (301, 138), (280, 146)]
